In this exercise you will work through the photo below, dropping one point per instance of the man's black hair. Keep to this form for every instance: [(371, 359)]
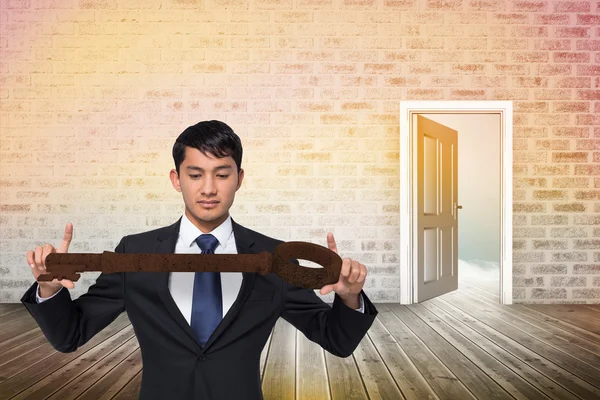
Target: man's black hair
[(210, 137)]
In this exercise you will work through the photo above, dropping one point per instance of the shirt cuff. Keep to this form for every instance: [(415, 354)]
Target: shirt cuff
[(42, 299), (361, 309)]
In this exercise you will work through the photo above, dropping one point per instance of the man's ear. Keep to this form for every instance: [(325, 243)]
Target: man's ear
[(175, 179), (240, 179)]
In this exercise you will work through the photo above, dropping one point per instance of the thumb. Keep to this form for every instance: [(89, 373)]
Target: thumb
[(326, 289), (67, 283)]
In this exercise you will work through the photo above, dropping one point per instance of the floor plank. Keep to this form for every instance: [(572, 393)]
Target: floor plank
[(263, 355), (312, 380), (21, 338), (77, 386), (374, 373), (26, 322), (131, 390), (7, 320), (466, 370), (116, 379), (406, 375), (583, 318), (345, 381), (33, 344), (593, 307), (444, 383), (280, 371), (6, 309)]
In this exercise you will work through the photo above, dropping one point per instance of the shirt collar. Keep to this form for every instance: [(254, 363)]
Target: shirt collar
[(189, 232)]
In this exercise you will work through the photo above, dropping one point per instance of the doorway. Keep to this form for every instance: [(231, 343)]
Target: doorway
[(430, 202)]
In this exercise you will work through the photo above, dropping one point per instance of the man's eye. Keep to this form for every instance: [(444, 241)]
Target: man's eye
[(196, 176)]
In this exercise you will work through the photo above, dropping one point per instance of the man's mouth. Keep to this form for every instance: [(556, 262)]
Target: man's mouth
[(208, 204)]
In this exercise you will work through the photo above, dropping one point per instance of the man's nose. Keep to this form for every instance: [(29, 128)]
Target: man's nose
[(208, 185)]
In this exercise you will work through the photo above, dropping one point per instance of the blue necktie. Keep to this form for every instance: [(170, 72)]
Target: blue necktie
[(207, 302)]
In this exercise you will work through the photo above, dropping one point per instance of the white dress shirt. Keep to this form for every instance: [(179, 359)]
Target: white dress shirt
[(181, 284)]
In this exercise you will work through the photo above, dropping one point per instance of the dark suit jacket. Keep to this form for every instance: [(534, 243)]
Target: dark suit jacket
[(175, 366)]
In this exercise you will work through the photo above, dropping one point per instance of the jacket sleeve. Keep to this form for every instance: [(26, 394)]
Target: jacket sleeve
[(337, 328), (67, 323)]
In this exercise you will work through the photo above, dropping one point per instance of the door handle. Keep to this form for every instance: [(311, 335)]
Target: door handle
[(456, 207)]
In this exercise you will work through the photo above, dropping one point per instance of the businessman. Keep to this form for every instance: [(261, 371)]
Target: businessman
[(201, 334)]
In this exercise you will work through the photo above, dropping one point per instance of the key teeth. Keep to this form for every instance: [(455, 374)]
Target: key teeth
[(49, 277), (72, 277), (45, 278)]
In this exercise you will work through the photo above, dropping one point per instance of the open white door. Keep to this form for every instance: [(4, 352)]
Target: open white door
[(412, 282), (436, 218)]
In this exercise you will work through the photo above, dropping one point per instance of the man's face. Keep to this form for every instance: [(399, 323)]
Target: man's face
[(204, 179)]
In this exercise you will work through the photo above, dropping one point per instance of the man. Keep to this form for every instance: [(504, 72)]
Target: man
[(201, 334)]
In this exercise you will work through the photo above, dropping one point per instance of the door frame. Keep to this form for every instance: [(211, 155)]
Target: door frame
[(408, 274)]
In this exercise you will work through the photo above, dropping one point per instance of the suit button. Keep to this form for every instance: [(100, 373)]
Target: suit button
[(202, 357)]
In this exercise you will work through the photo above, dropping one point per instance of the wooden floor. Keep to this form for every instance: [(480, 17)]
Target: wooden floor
[(462, 345)]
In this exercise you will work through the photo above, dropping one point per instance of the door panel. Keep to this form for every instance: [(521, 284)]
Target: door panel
[(430, 246), (430, 184), (446, 248), (446, 161), (436, 219)]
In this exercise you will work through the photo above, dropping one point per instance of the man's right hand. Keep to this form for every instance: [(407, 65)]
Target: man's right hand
[(37, 261)]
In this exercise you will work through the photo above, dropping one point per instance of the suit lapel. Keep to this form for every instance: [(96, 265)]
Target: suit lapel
[(245, 245), (167, 240)]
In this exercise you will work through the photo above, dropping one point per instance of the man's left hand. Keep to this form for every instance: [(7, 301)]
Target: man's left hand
[(352, 278)]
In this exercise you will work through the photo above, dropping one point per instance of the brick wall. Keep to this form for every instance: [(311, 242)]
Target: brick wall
[(94, 92)]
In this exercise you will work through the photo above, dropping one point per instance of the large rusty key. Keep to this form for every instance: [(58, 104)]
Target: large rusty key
[(67, 265)]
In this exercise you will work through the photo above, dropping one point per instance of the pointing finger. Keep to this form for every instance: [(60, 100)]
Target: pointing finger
[(64, 246), (331, 242)]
